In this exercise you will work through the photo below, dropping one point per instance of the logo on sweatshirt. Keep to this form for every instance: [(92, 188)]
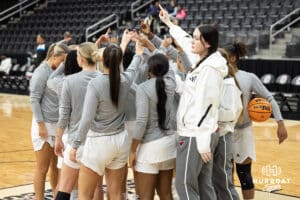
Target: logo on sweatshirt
[(193, 78)]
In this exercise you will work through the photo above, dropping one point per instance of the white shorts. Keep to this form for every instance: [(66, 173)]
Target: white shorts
[(38, 141), (152, 160), (157, 151), (60, 159), (243, 145), (100, 152), (66, 159), (154, 168)]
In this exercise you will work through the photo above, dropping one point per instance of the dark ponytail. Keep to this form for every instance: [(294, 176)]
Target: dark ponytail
[(211, 35), (237, 49), (112, 57), (71, 64), (161, 103), (158, 67)]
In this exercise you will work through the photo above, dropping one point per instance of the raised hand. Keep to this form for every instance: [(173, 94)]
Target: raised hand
[(127, 36), (146, 43), (164, 16), (103, 38), (145, 28)]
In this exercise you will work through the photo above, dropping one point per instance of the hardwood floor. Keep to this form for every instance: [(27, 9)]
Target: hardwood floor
[(278, 163)]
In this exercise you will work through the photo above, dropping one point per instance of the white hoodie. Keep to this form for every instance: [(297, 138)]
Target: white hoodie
[(198, 110), (231, 106)]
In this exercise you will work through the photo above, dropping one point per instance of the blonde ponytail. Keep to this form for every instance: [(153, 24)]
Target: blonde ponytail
[(89, 52)]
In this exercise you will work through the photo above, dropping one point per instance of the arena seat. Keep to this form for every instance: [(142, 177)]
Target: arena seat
[(268, 80)]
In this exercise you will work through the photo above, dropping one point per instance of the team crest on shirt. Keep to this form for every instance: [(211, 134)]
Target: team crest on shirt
[(193, 78)]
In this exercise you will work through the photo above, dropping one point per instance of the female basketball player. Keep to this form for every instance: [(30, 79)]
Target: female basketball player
[(55, 83), (44, 104), (243, 138), (154, 101), (229, 113), (107, 147), (72, 99), (197, 116)]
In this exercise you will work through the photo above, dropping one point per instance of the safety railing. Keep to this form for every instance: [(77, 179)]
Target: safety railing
[(134, 4), (285, 18), (113, 18), (16, 9)]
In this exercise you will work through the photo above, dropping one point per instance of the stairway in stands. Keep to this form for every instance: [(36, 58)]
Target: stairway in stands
[(278, 49)]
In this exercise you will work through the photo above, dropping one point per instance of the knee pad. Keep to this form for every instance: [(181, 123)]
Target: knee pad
[(244, 174), (62, 196)]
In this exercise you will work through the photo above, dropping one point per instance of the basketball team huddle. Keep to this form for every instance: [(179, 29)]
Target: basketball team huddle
[(173, 107)]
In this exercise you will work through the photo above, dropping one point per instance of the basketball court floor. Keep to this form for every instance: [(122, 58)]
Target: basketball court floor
[(277, 166)]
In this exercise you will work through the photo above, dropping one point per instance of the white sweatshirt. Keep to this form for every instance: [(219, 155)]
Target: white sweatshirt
[(198, 110), (231, 106)]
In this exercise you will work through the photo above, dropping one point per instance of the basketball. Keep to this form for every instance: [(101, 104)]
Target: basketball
[(259, 109)]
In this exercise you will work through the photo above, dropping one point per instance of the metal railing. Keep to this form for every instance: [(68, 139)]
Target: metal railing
[(109, 18), (272, 35), (134, 10), (16, 9)]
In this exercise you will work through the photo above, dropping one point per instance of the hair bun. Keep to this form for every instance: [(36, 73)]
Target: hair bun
[(95, 56)]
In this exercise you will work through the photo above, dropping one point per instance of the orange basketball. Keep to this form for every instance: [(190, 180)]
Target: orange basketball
[(259, 109)]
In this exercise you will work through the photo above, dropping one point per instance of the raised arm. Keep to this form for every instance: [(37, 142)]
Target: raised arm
[(158, 42), (136, 62), (182, 37)]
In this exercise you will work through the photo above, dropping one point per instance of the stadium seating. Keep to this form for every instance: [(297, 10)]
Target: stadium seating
[(251, 18), (60, 16), (243, 20)]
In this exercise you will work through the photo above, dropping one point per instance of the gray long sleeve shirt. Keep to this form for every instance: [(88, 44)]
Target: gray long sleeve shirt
[(72, 100), (44, 102), (147, 128), (99, 114), (249, 83), (55, 80)]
